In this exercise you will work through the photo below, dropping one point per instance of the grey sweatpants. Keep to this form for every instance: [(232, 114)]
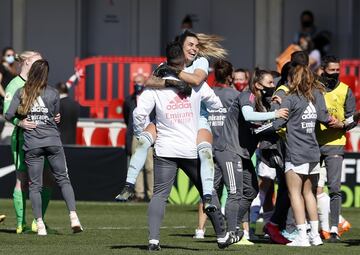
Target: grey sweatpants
[(165, 170), (232, 173), (250, 189), (34, 160), (333, 164)]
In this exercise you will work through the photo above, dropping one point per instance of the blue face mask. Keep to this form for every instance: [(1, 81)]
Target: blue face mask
[(138, 88), (10, 59)]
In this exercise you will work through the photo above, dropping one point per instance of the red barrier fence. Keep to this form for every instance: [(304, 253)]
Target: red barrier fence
[(110, 70), (113, 78), (350, 74)]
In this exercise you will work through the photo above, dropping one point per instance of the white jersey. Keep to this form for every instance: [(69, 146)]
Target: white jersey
[(176, 118), (199, 63)]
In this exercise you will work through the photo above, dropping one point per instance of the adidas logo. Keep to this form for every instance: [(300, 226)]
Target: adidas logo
[(178, 103), (310, 112), (39, 106)]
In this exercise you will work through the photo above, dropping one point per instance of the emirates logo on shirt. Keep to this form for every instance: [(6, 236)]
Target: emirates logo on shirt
[(179, 110), (178, 103), (309, 116)]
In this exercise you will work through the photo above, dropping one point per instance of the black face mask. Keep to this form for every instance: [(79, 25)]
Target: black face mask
[(267, 94), (331, 79), (306, 23), (138, 89)]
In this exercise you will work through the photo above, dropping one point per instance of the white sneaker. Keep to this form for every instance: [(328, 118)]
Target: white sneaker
[(300, 242), (75, 224), (199, 234), (315, 240), (41, 228)]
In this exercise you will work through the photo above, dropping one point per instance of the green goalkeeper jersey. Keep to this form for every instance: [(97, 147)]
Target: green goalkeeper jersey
[(12, 87)]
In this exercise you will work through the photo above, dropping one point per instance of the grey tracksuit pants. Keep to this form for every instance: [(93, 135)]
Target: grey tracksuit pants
[(165, 170), (34, 160)]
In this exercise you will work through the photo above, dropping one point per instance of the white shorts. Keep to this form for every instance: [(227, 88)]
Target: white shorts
[(264, 170), (203, 123), (322, 176), (305, 169)]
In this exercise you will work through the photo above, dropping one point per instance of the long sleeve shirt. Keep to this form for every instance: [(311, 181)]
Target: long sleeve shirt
[(42, 112)]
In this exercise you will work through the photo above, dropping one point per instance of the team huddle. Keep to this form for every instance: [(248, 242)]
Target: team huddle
[(296, 127), (290, 126)]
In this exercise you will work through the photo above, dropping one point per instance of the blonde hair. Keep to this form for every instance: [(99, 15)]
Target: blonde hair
[(35, 84), (25, 55), (209, 46)]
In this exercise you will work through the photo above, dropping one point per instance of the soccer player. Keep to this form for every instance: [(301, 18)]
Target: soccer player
[(175, 146), (237, 143), (195, 47), (306, 106), (40, 103), (26, 59), (223, 71)]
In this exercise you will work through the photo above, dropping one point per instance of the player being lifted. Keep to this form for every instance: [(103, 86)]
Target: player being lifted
[(195, 47)]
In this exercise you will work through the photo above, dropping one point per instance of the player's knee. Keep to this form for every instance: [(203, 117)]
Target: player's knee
[(35, 188), (145, 140), (205, 150)]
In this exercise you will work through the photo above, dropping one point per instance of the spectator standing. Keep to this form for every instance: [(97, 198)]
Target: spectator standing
[(241, 79), (69, 112), (7, 73)]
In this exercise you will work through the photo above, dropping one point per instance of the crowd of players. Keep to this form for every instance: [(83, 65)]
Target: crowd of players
[(294, 121)]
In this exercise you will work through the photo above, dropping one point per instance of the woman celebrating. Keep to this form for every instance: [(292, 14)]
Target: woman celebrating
[(306, 105), (237, 144), (40, 104), (25, 59), (195, 47)]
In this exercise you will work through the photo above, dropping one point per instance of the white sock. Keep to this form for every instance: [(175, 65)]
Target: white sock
[(246, 234), (323, 206), (137, 160), (314, 227), (153, 241), (334, 230), (302, 230), (206, 167), (341, 219), (73, 214), (39, 220), (255, 209)]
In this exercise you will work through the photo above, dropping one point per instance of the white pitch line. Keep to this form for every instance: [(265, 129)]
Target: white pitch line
[(6, 170)]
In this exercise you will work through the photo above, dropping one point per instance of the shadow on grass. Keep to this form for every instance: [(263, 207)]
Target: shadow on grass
[(145, 247), (352, 242), (182, 235), (8, 231)]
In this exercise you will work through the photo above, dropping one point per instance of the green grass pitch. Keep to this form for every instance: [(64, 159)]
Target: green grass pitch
[(114, 228)]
